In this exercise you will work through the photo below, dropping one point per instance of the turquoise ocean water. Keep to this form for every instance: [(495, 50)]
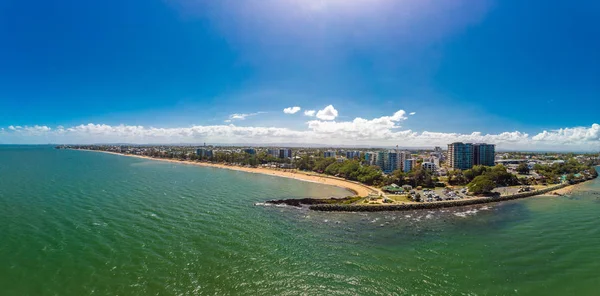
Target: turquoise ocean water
[(86, 223)]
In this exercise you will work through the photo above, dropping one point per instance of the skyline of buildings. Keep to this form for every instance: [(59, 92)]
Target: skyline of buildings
[(458, 156)]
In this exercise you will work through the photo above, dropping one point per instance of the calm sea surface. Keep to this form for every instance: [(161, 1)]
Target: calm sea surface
[(85, 223)]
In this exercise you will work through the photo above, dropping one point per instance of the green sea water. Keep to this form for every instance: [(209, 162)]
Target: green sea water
[(86, 223)]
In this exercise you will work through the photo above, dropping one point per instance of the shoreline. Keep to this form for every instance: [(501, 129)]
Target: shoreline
[(564, 191), (354, 187), (363, 190)]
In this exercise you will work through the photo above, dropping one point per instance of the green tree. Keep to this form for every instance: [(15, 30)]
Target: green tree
[(322, 163), (334, 168), (477, 170), (456, 177), (523, 169), (305, 163), (398, 177), (349, 169), (481, 185), (369, 175)]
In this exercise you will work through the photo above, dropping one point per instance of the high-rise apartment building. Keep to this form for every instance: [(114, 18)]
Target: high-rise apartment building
[(285, 153), (280, 153), (409, 165), (380, 159), (371, 158), (464, 156), (484, 154), (460, 155), (204, 153), (388, 161), (352, 154), (250, 151), (391, 162)]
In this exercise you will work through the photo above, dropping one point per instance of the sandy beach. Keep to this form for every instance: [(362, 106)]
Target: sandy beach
[(355, 187), (564, 191)]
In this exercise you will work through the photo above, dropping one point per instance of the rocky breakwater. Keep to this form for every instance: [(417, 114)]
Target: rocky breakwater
[(315, 201)]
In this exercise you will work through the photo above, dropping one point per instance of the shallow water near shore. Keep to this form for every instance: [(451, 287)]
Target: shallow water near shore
[(80, 223)]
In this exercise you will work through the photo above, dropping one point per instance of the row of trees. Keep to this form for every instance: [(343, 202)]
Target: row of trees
[(348, 169), (371, 175), (241, 158), (570, 168), (485, 179), (416, 177)]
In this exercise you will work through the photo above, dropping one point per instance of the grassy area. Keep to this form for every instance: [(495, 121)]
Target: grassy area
[(346, 200), (538, 187), (399, 198)]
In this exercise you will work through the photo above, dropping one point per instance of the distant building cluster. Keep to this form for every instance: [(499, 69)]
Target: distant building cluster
[(342, 153), (391, 160), (464, 156)]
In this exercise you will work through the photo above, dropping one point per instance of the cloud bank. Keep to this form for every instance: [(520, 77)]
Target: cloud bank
[(381, 131)]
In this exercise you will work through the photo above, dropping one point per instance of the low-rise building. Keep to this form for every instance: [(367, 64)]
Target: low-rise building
[(430, 166)]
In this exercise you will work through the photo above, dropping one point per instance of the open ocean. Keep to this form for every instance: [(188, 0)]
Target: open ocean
[(86, 223)]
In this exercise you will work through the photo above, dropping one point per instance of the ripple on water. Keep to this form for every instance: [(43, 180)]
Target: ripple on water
[(112, 225)]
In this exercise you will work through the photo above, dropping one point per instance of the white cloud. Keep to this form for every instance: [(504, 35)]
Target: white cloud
[(412, 113), (30, 130), (361, 129), (574, 135), (310, 113), (291, 110), (329, 113), (37, 129), (381, 131), (242, 116)]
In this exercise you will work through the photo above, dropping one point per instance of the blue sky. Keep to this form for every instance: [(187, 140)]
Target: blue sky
[(489, 67)]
